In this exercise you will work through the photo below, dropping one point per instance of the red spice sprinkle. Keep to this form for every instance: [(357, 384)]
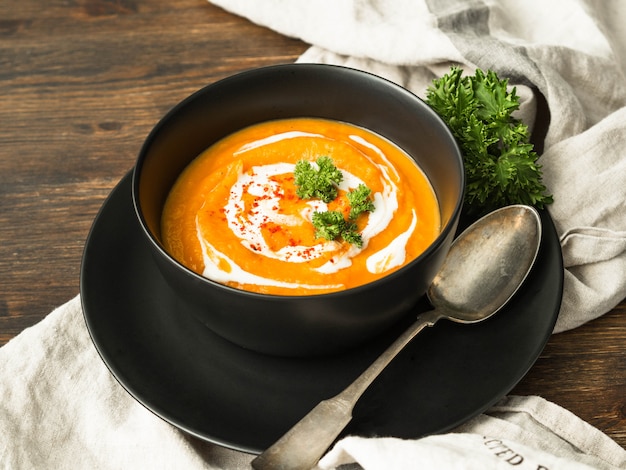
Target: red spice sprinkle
[(306, 253)]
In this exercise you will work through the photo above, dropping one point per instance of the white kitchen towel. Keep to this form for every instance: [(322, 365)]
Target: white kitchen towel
[(61, 409), (568, 54)]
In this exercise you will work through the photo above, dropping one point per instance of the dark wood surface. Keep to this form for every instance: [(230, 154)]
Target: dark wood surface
[(81, 85)]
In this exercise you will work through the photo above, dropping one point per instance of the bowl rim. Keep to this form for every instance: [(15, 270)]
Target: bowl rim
[(250, 73)]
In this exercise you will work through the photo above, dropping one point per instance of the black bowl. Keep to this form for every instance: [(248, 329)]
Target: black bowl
[(313, 324)]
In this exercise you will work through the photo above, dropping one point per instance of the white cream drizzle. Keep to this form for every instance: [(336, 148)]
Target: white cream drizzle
[(246, 223), (214, 260), (394, 254), (273, 139)]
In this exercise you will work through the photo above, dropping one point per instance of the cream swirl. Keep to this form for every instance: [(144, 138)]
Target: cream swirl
[(246, 225)]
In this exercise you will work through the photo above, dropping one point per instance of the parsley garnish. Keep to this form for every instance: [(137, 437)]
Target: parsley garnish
[(328, 224), (332, 225), (351, 235), (360, 201), (323, 184), (500, 164), (317, 184)]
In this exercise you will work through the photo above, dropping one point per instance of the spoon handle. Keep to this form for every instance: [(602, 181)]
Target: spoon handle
[(305, 443)]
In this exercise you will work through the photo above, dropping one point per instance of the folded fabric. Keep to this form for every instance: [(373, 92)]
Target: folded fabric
[(572, 54), (521, 432), (61, 409)]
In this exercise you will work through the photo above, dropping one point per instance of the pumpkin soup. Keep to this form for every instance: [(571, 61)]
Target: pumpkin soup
[(247, 212)]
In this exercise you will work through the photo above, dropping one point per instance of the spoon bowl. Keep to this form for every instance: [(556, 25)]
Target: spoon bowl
[(483, 270), (487, 264)]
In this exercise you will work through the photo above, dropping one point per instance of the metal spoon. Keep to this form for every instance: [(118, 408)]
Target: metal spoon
[(485, 266)]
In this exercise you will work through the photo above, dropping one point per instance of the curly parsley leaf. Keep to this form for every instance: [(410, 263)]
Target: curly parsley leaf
[(360, 201), (351, 235), (328, 224), (332, 225), (500, 162), (320, 183)]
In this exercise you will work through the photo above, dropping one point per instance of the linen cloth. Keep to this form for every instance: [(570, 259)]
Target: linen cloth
[(60, 407)]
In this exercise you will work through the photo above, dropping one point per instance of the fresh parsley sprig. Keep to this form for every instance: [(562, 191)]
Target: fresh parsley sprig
[(360, 201), (500, 162), (332, 225), (328, 224), (323, 184)]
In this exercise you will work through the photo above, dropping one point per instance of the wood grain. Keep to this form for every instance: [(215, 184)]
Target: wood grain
[(82, 83)]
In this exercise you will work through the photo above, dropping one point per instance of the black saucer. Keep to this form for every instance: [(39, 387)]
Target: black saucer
[(224, 394)]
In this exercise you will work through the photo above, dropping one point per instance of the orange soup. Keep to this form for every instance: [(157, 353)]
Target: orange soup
[(234, 214)]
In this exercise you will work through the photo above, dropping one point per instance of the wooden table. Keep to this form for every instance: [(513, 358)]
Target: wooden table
[(81, 85)]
